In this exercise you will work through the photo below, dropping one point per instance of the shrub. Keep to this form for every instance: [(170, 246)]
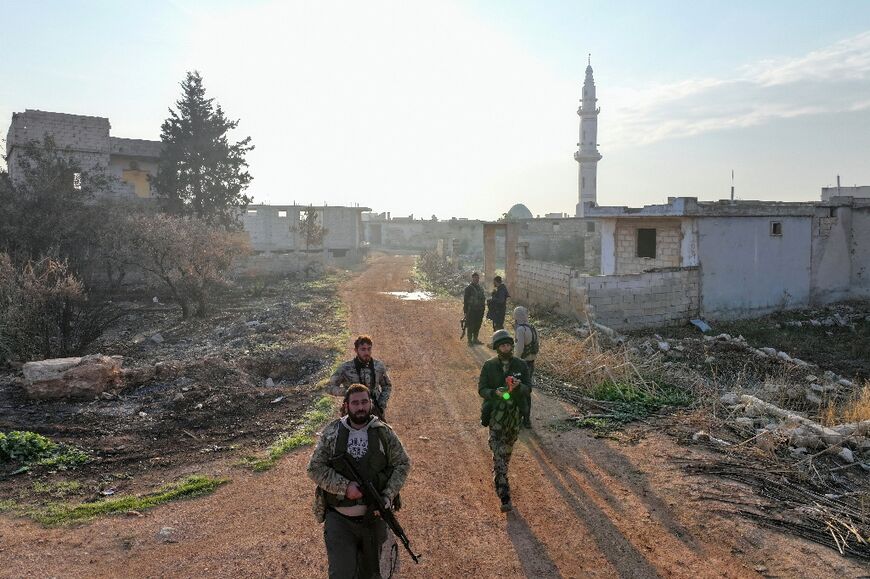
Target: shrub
[(188, 256), (45, 312)]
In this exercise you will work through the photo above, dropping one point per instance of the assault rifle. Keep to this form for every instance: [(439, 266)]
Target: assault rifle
[(376, 502), (462, 324)]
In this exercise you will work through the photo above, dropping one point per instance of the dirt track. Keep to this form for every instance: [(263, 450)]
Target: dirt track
[(584, 507)]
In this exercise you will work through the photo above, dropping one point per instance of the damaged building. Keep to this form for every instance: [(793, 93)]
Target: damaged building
[(281, 243), (274, 232), (664, 264), (88, 141), (383, 231)]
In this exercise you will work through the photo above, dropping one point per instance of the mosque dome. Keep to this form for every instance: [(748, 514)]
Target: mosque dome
[(519, 211)]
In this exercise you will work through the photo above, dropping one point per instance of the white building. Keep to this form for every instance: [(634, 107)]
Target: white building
[(587, 155)]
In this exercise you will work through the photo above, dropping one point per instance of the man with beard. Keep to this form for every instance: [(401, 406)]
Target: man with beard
[(353, 534), (473, 304), (364, 369), (504, 380)]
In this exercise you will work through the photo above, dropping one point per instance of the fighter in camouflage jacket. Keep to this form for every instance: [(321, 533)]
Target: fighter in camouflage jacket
[(347, 374), (329, 481)]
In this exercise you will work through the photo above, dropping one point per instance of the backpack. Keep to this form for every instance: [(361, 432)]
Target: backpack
[(532, 347)]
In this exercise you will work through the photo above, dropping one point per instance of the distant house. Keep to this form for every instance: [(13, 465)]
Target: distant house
[(87, 140)]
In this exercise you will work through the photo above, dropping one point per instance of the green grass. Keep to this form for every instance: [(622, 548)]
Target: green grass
[(61, 514), (6, 505), (302, 435), (57, 490), (629, 402)]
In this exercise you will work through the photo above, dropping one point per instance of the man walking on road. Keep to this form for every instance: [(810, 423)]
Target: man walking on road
[(364, 369), (504, 380), (353, 534), (473, 304), (497, 304), (526, 347)]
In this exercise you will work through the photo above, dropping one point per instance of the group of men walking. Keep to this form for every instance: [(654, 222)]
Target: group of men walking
[(359, 464)]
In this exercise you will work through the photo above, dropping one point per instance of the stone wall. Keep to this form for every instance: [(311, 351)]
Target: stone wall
[(668, 239), (627, 301)]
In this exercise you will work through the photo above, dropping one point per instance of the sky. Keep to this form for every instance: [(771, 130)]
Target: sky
[(463, 108)]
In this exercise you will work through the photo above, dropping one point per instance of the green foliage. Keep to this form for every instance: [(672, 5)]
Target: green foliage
[(6, 506), (30, 448), (47, 210), (190, 487), (303, 435), (627, 402), (200, 172)]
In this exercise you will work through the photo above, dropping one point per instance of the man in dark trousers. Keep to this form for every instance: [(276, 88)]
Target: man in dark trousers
[(473, 304), (363, 369), (353, 534), (526, 347), (504, 380), (497, 304)]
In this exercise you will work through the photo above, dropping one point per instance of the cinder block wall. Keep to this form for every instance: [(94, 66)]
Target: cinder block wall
[(668, 238), (644, 300), (548, 285), (622, 302)]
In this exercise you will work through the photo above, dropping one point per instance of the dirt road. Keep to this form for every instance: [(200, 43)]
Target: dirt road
[(583, 507)]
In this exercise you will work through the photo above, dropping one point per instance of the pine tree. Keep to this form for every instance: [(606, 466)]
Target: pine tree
[(200, 172)]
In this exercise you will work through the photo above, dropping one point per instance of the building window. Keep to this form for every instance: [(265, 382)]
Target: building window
[(776, 228), (282, 213), (646, 243), (590, 227), (252, 211), (582, 181), (77, 181)]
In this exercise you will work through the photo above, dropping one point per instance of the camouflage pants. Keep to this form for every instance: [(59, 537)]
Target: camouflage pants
[(502, 436)]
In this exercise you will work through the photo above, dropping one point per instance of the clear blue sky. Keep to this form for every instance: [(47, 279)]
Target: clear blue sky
[(464, 108)]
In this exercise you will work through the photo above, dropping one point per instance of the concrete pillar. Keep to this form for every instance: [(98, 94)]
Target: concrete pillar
[(489, 230), (511, 237)]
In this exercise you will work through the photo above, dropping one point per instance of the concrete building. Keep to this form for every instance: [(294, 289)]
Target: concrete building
[(665, 264), (587, 154), (383, 231), (277, 229), (858, 191), (751, 257), (87, 140)]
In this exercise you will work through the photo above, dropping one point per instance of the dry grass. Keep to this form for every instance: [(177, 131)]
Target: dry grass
[(585, 364), (856, 408)]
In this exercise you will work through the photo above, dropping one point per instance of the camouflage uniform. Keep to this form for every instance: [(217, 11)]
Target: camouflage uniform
[(347, 374), (366, 536), (504, 422), (320, 471)]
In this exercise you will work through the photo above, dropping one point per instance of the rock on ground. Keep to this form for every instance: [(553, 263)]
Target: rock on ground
[(73, 378)]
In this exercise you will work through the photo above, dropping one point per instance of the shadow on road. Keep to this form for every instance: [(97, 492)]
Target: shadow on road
[(525, 542), (627, 560)]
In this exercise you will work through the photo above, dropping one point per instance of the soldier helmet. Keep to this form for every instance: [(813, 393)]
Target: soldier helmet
[(500, 337)]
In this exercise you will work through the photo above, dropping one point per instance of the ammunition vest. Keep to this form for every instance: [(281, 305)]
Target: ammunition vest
[(372, 465)]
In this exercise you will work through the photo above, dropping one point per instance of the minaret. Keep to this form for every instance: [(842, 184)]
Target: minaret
[(588, 155)]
